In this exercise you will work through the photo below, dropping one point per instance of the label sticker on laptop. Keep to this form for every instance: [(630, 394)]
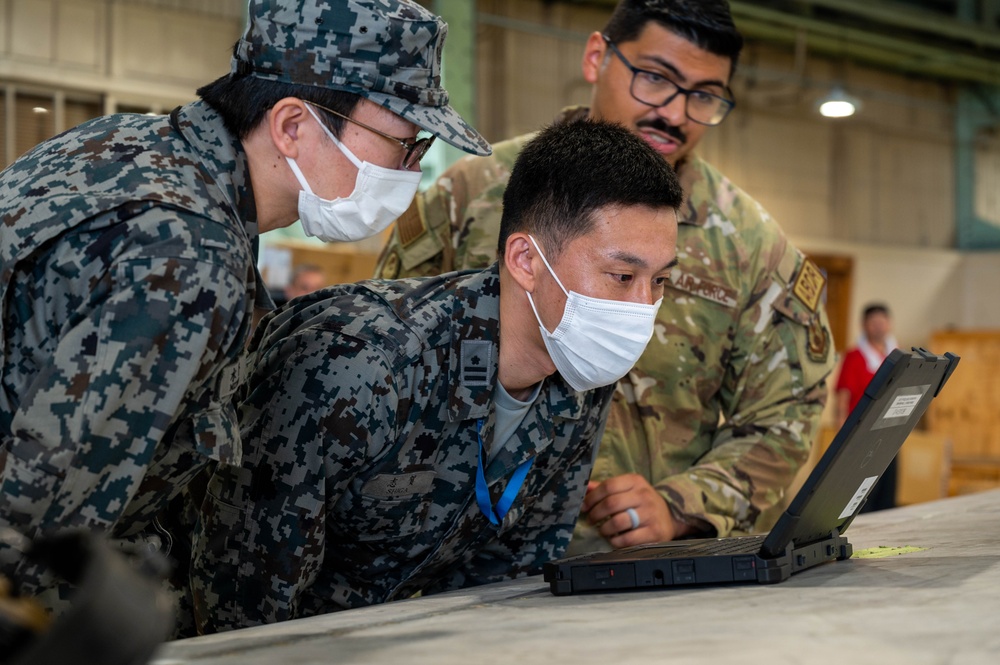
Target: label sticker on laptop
[(858, 497), (902, 406)]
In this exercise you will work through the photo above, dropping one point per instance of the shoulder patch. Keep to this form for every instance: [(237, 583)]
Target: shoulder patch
[(411, 225), (808, 286), (390, 269), (818, 344)]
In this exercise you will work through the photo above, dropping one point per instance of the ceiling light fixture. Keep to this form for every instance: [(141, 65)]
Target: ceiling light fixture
[(838, 104)]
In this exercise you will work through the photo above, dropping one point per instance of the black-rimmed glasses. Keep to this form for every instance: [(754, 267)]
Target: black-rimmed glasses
[(415, 150), (656, 90)]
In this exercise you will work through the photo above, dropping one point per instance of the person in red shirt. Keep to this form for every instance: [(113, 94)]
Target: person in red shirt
[(860, 365)]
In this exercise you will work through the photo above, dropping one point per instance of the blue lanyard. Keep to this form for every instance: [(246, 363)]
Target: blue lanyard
[(496, 515)]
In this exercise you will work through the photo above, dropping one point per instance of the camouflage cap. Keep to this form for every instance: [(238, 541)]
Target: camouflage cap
[(388, 51)]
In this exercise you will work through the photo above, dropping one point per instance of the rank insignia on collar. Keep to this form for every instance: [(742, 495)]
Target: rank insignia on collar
[(477, 362)]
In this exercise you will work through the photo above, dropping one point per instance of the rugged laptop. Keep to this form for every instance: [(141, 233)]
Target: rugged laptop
[(811, 530)]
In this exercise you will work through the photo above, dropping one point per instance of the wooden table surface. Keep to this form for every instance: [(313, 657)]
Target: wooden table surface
[(937, 605)]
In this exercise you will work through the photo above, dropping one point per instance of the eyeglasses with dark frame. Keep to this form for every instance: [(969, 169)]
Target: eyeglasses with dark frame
[(415, 150), (656, 90)]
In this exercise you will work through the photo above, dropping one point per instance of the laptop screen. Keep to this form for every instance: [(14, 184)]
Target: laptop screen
[(893, 403)]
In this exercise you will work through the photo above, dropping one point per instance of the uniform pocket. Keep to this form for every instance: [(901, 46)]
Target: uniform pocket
[(28, 489), (366, 518)]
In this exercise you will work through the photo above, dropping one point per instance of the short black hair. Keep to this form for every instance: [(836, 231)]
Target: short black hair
[(874, 308), (707, 24), (570, 171), (243, 100)]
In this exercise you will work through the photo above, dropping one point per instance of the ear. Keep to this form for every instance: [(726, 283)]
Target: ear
[(519, 259), (285, 121), (593, 56)]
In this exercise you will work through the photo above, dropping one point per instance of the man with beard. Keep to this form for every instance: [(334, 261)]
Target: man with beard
[(715, 419)]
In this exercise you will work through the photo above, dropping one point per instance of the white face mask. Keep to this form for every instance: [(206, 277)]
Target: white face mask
[(380, 196), (597, 341)]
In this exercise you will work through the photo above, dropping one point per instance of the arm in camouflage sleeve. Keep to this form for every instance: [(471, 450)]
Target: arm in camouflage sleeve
[(773, 396), (157, 329), (319, 404)]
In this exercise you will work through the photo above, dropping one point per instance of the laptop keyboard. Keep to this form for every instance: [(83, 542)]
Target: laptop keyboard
[(705, 547)]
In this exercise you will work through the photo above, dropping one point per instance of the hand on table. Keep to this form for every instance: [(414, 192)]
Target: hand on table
[(618, 504)]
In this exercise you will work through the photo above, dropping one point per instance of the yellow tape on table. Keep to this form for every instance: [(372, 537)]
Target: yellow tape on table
[(883, 551)]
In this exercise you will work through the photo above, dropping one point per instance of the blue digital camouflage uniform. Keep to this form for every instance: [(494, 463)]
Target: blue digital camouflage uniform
[(360, 436), (723, 406), (128, 283)]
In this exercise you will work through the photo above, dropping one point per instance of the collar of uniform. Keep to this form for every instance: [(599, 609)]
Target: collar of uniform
[(222, 153), (572, 114), (475, 354), (691, 174)]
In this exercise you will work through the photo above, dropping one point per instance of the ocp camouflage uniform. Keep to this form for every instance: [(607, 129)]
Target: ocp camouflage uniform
[(127, 282), (359, 474), (722, 408)]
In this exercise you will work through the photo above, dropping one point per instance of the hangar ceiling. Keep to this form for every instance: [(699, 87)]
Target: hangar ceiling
[(957, 40)]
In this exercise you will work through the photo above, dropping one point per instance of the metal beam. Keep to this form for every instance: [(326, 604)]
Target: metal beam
[(896, 14), (845, 42), (977, 110), (820, 37), (877, 43)]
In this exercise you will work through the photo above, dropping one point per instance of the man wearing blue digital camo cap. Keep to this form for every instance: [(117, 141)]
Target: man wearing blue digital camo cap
[(127, 276)]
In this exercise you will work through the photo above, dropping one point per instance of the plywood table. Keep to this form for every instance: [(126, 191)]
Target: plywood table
[(940, 604)]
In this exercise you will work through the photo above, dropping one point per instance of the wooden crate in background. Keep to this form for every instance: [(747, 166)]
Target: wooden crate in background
[(923, 472), (341, 262), (967, 411)]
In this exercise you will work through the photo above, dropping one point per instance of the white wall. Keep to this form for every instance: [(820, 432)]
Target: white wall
[(928, 290), (920, 286), (980, 290)]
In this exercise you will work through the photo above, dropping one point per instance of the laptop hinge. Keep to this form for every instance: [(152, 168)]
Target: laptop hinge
[(952, 364), (790, 523), (833, 546)]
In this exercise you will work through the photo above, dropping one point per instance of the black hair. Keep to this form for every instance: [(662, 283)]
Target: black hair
[(570, 171), (874, 308), (705, 23), (243, 100)]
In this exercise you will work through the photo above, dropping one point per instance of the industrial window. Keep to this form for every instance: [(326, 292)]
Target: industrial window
[(29, 116)]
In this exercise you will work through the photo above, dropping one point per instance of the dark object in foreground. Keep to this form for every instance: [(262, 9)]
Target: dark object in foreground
[(119, 610)]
